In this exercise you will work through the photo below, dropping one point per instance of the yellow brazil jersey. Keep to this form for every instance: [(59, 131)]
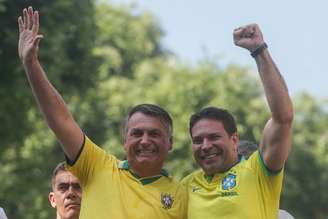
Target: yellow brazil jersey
[(246, 191), (111, 190)]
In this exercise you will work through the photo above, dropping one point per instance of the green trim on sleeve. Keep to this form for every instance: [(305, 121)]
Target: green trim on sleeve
[(266, 170)]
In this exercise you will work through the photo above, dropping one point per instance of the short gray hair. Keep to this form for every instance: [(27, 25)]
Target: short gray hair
[(150, 110)]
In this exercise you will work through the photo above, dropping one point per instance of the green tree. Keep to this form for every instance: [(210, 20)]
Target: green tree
[(105, 59), (125, 39), (27, 154), (65, 55), (306, 170)]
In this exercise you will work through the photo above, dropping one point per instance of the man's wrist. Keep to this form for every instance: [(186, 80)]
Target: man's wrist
[(30, 61), (259, 50)]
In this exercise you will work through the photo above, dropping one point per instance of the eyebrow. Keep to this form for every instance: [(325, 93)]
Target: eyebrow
[(66, 183), (146, 129)]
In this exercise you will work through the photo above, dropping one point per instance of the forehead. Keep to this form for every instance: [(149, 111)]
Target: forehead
[(65, 177), (207, 126), (142, 121)]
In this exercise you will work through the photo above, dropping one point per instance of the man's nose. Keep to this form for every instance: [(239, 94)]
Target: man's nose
[(206, 144), (145, 140), (71, 192)]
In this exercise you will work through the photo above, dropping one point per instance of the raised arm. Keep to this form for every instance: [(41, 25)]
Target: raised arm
[(49, 100), (276, 137)]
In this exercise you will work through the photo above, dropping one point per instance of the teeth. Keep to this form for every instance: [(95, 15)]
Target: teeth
[(145, 152), (209, 156)]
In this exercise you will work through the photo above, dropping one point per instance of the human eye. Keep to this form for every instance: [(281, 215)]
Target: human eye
[(154, 133), (136, 133), (62, 187), (197, 140), (214, 137), (77, 186)]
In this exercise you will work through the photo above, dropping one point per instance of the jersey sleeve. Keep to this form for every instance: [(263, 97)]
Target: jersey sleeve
[(270, 182), (90, 162)]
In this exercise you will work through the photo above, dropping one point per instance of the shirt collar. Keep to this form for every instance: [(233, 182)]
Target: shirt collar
[(124, 165)]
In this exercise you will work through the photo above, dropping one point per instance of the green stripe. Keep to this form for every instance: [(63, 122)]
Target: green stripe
[(266, 170), (144, 181)]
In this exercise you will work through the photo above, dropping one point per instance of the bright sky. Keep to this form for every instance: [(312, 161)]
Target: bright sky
[(296, 32)]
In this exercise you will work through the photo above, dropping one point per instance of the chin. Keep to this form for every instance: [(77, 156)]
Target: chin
[(73, 214), (210, 169)]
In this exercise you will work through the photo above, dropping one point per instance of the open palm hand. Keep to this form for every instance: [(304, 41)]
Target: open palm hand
[(28, 35)]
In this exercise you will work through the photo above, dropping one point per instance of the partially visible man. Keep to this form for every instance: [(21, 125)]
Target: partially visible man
[(66, 193), (227, 187), (138, 187), (246, 148)]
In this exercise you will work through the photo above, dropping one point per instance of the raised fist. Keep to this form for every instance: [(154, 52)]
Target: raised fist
[(248, 37)]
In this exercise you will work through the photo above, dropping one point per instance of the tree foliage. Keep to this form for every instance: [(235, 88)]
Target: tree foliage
[(306, 170), (105, 59), (29, 151)]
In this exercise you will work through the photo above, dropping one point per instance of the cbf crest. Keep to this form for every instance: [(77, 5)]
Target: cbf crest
[(229, 181), (167, 200)]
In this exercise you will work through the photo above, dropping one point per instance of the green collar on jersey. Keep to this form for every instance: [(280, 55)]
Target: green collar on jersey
[(124, 165)]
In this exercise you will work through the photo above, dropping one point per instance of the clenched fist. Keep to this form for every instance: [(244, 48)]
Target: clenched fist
[(248, 37)]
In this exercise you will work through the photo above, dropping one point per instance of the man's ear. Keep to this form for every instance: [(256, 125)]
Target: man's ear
[(51, 198), (124, 136), (235, 140), (171, 142)]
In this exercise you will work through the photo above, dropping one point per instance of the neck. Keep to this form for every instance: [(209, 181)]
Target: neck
[(58, 216), (224, 169), (70, 217), (145, 170)]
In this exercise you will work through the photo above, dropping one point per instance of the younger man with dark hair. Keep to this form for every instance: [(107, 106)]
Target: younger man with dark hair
[(227, 187)]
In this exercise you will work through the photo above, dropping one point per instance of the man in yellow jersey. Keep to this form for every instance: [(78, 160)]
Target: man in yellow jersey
[(137, 188), (227, 187), (66, 193), (245, 149)]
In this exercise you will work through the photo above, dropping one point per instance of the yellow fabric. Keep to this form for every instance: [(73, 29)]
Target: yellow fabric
[(245, 191), (109, 191)]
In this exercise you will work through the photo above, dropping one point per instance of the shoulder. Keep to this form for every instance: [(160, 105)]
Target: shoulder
[(92, 155), (191, 177)]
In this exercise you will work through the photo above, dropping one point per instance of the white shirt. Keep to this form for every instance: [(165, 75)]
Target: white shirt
[(285, 215), (2, 214)]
